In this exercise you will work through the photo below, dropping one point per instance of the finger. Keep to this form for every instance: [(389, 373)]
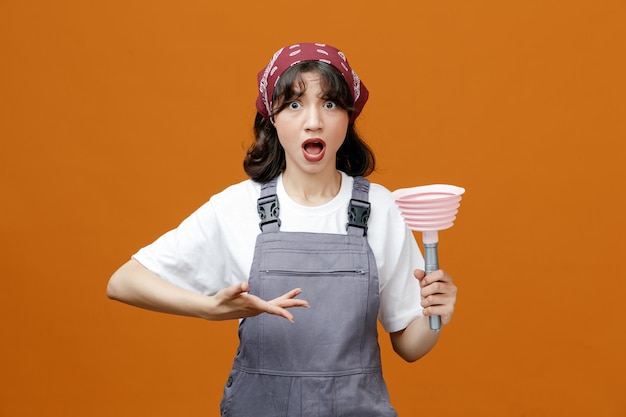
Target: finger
[(288, 299), (295, 302), (445, 311), (279, 311), (233, 291), (290, 294), (419, 274), (439, 293), (436, 287), (437, 300), (253, 306), (437, 275)]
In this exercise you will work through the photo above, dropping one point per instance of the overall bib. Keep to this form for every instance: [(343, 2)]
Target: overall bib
[(327, 363)]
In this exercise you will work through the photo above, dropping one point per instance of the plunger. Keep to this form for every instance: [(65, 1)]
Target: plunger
[(429, 209)]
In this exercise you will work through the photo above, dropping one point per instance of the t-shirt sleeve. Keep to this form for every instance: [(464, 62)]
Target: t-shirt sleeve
[(397, 255), (191, 256), (400, 297)]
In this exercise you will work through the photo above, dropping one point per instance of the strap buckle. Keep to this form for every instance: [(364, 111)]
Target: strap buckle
[(358, 214), (268, 210)]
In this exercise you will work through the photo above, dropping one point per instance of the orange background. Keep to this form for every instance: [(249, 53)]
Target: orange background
[(119, 118)]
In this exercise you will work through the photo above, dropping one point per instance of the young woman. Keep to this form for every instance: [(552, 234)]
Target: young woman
[(307, 254)]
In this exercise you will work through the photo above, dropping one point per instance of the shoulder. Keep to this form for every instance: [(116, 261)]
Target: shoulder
[(237, 197), (380, 191), (381, 197), (378, 194), (234, 207), (235, 201), (243, 190)]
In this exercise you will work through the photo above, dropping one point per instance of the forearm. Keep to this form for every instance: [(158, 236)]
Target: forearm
[(135, 285), (415, 341)]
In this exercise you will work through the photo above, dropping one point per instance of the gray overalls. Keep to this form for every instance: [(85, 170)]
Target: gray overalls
[(327, 363)]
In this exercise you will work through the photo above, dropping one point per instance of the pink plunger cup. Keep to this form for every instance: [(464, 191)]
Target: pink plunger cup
[(429, 209)]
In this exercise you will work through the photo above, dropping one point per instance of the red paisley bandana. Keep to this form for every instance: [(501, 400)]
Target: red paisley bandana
[(291, 55)]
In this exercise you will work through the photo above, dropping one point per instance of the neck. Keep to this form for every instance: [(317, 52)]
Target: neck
[(312, 189)]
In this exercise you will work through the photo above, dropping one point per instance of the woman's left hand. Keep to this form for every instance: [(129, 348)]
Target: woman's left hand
[(438, 294)]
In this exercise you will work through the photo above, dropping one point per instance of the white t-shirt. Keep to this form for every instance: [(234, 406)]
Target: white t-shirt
[(213, 248)]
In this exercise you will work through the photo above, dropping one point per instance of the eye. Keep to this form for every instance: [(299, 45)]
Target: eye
[(294, 105), (329, 105)]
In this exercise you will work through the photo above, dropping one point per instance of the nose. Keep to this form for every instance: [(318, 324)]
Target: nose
[(313, 119)]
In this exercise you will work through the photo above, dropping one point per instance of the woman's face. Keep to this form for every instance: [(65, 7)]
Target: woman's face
[(311, 128)]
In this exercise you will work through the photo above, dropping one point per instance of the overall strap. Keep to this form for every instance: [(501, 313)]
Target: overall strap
[(268, 208), (359, 208)]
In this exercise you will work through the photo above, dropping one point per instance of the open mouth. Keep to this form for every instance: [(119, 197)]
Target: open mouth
[(313, 149)]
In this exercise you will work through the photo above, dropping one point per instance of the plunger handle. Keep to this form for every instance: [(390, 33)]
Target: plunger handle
[(432, 264)]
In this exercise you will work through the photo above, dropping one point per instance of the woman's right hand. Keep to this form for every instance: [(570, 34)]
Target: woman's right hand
[(235, 302)]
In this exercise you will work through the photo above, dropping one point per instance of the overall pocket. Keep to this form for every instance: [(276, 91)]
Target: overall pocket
[(324, 339)]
